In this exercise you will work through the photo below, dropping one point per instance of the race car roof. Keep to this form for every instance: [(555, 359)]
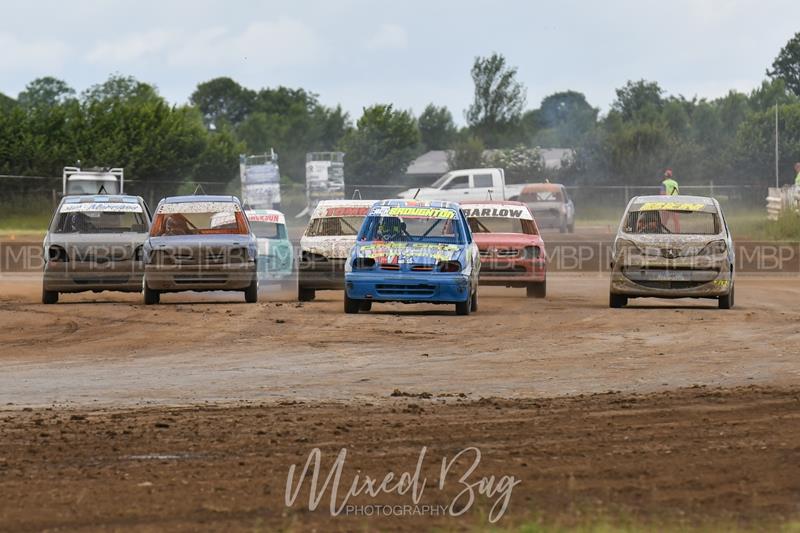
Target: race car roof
[(342, 208), (265, 215), (676, 202), (497, 210), (536, 187), (399, 202), (199, 198), (91, 198)]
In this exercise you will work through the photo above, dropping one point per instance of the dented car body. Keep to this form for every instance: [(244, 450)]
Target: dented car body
[(94, 243), (413, 251), (200, 243), (511, 249), (673, 247), (326, 244)]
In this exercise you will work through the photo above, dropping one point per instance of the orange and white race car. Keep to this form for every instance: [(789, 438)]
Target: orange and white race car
[(511, 249)]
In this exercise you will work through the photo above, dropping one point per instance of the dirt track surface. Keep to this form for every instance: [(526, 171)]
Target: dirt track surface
[(188, 415), (110, 350), (696, 456)]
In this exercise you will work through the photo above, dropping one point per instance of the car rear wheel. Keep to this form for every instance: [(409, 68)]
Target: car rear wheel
[(617, 300), (351, 306), (537, 290), (726, 301), (49, 297), (251, 292), (571, 227), (151, 296), (304, 294)]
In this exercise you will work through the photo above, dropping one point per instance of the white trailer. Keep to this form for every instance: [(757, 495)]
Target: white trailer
[(92, 181), (261, 180)]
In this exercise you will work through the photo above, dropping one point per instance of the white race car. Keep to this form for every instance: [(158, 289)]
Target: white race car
[(326, 244), (673, 247)]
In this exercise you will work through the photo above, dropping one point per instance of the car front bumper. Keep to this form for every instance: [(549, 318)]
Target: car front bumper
[(512, 273), (321, 275), (434, 288), (175, 278), (681, 278), (79, 276), (272, 267)]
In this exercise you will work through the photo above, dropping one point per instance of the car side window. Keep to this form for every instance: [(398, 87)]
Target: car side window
[(482, 181), (459, 182)]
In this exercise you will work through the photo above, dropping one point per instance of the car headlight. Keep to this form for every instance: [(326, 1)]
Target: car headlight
[(714, 248), (532, 252), (363, 262), (449, 266), (627, 247)]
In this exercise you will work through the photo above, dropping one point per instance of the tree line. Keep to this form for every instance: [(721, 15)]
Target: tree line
[(125, 122)]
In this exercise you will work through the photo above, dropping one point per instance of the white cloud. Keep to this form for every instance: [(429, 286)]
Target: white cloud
[(281, 42), (388, 37), (132, 47), (31, 54)]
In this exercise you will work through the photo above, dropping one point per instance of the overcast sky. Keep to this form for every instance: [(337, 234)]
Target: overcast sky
[(405, 52)]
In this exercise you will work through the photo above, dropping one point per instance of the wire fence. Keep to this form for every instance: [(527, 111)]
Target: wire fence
[(32, 194)]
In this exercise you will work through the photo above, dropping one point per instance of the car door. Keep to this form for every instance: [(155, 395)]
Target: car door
[(483, 187)]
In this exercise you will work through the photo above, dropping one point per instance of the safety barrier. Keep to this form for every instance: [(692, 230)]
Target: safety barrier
[(780, 199)]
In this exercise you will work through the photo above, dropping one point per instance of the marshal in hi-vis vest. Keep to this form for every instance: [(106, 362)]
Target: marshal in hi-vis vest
[(670, 187)]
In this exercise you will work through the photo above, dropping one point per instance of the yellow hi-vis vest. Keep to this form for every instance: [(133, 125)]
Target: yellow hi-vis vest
[(670, 187)]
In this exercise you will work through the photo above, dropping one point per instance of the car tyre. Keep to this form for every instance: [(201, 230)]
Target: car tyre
[(617, 300), (351, 306), (151, 296), (474, 306), (537, 290), (305, 294), (562, 228), (726, 301), (366, 305), (251, 292), (49, 297), (464, 308), (571, 227)]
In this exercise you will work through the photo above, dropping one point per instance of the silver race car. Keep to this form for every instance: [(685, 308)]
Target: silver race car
[(200, 243), (94, 243), (672, 247)]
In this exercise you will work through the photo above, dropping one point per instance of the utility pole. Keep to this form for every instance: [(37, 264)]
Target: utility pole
[(777, 184)]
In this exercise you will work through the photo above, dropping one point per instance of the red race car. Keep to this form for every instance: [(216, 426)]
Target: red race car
[(511, 249)]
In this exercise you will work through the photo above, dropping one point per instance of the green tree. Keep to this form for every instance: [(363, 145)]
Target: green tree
[(467, 153), (499, 99), (381, 147), (6, 103), (562, 120), (223, 100), (45, 92), (786, 66), (293, 122), (120, 88), (520, 163), (436, 128), (640, 100)]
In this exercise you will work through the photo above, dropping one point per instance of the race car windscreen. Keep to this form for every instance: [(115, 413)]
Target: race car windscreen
[(268, 230), (413, 224), (541, 196), (501, 225), (100, 217), (335, 226), (669, 221), (189, 219)]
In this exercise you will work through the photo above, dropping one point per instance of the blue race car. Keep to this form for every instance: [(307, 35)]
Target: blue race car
[(413, 251)]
